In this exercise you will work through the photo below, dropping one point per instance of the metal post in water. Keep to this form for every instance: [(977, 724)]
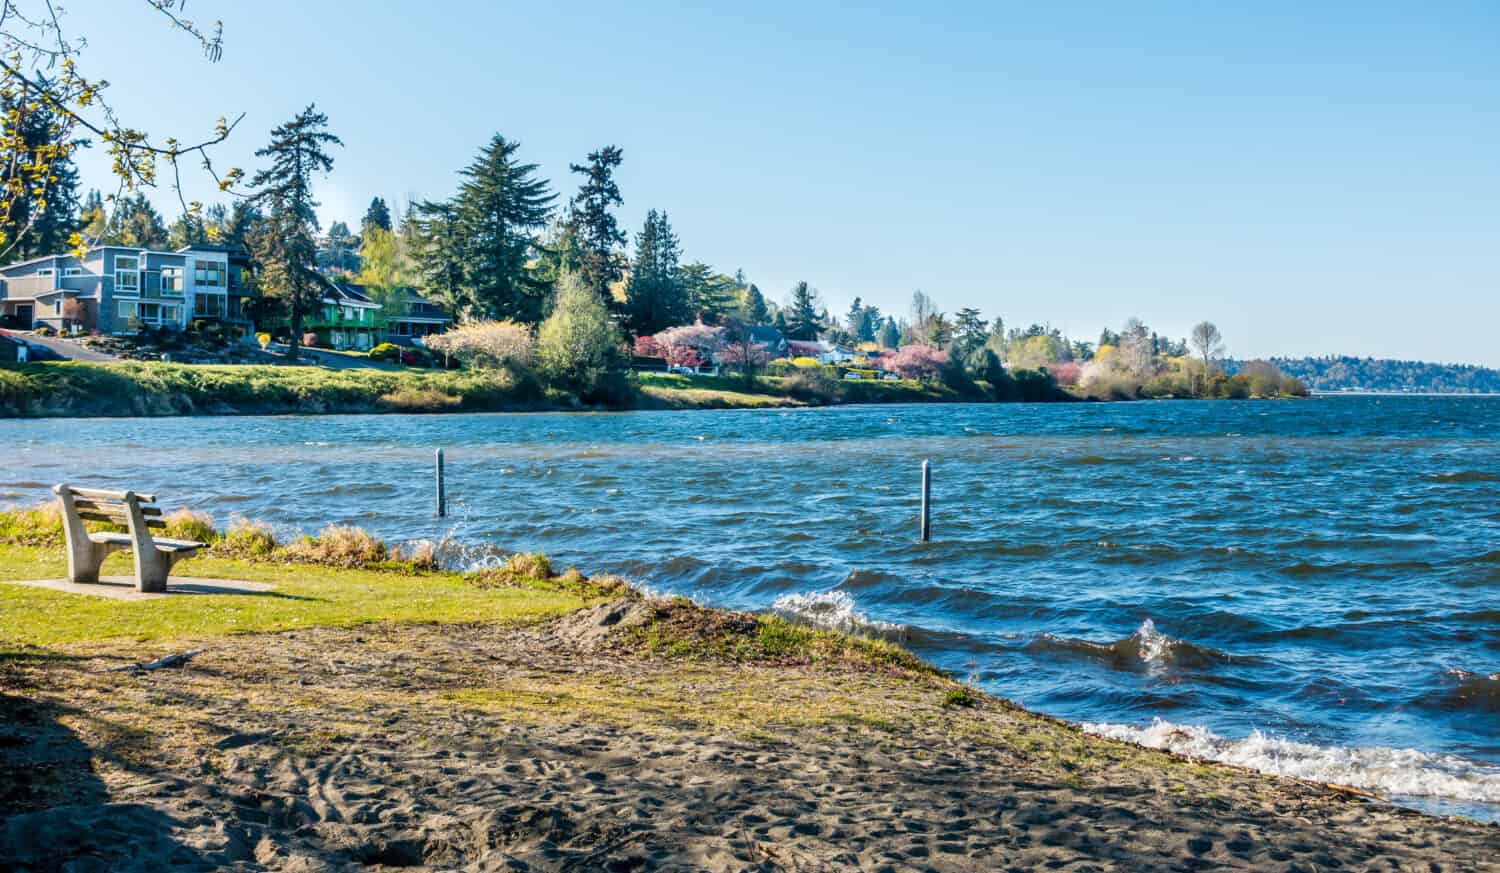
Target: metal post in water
[(442, 499), (926, 502)]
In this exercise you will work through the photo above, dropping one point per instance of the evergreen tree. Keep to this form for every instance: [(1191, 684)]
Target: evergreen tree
[(136, 223), (43, 211), (596, 236), (188, 230), (779, 322), (753, 307), (377, 215), (711, 296), (803, 322), (500, 207), (437, 251), (237, 231), (869, 324), (856, 317), (655, 296), (286, 242), (93, 218), (890, 335), (340, 248)]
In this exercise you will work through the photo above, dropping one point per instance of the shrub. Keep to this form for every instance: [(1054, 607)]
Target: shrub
[(185, 524), (805, 363), (487, 344), (579, 346), (691, 345), (385, 352), (419, 400), (813, 386), (248, 539), (336, 545), (917, 362)]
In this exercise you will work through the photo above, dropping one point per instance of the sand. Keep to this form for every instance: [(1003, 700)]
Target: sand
[(561, 747)]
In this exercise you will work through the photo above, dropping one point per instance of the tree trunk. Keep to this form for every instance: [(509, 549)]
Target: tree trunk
[(296, 335)]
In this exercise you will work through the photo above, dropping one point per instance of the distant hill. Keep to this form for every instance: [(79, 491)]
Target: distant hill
[(1378, 374)]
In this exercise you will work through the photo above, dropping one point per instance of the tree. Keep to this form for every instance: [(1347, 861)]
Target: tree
[(890, 335), (741, 352), (500, 207), (189, 229), (339, 251), (42, 217), (803, 322), (237, 230), (136, 223), (856, 317), (596, 236), (39, 69), (286, 245), (437, 253), (655, 297), (578, 344), (92, 219), (753, 307), (484, 344), (1208, 342), (384, 269), (378, 215), (710, 295)]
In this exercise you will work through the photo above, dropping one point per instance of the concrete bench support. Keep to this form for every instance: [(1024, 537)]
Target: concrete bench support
[(86, 551)]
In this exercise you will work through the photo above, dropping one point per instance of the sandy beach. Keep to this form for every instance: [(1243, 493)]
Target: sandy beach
[(626, 736)]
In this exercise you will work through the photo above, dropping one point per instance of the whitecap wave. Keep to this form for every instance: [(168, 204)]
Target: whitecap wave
[(834, 610), (1385, 771)]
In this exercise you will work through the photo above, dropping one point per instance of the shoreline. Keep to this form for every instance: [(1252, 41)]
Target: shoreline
[(520, 713)]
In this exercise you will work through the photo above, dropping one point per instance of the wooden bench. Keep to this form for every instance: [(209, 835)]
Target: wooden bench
[(86, 551)]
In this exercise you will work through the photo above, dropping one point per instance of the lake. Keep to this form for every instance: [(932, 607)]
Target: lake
[(1306, 587)]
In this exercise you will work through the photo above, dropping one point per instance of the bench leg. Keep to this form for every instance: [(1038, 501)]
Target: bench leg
[(84, 560), (152, 569)]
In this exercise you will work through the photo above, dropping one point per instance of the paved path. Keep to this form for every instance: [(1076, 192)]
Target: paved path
[(70, 349)]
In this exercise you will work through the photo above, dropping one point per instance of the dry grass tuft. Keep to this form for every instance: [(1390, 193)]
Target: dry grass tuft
[(39, 527), (337, 545), (419, 400), (420, 555), (247, 539), (185, 524)]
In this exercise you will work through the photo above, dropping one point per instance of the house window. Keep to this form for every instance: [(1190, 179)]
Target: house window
[(72, 271), (171, 314), (47, 272), (57, 306), (209, 274), (171, 281), (128, 309), (127, 275), (209, 305)]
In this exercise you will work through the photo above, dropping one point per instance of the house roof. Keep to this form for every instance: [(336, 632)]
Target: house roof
[(766, 335), (344, 293)]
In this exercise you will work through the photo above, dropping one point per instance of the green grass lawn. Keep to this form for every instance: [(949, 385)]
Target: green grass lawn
[(305, 596)]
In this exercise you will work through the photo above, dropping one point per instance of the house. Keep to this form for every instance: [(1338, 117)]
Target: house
[(348, 318), (408, 316), (823, 352), (775, 344), (119, 289)]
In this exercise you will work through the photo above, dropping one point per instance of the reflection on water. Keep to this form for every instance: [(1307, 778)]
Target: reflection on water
[(1325, 573)]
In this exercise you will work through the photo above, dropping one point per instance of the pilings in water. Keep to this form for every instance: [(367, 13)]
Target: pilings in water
[(442, 497), (926, 531)]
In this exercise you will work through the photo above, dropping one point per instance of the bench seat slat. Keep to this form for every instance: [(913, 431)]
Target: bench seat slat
[(164, 545), (153, 523), (112, 506)]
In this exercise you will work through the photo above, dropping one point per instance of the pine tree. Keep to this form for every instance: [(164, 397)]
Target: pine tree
[(890, 335), (377, 215), (779, 322), (655, 296), (753, 309), (500, 207), (241, 223), (711, 296), (136, 223), (93, 218), (437, 250), (803, 322), (188, 230), (596, 235), (43, 216), (285, 241)]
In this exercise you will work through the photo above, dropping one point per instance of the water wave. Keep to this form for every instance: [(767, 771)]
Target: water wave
[(1466, 692), (834, 610), (1385, 771), (1146, 648), (1464, 476)]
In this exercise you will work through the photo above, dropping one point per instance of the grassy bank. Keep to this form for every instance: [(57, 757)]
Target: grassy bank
[(155, 389), (383, 714)]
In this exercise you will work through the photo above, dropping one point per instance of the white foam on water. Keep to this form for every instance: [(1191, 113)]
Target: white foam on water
[(1153, 643), (834, 610), (1384, 771)]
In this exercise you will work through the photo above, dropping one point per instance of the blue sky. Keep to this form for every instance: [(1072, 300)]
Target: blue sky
[(1315, 180)]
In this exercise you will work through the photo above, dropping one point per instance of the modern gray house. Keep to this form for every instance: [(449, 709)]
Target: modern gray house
[(118, 289)]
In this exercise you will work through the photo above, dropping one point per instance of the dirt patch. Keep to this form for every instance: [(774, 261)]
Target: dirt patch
[(553, 748)]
